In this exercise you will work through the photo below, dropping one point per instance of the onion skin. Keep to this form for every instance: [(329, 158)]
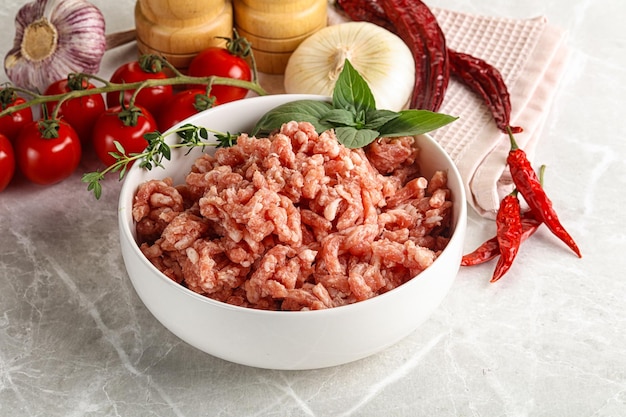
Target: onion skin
[(78, 46)]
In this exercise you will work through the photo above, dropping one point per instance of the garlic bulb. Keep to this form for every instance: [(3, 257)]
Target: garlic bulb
[(381, 57), (54, 38)]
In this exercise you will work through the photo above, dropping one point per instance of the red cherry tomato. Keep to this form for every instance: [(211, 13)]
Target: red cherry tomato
[(220, 62), (182, 105), (150, 98), (111, 128), (7, 162), (47, 160), (81, 112), (11, 124)]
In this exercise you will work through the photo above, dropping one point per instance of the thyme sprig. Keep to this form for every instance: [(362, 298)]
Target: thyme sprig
[(158, 149)]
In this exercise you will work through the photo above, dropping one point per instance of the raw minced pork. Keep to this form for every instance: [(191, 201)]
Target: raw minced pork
[(296, 221)]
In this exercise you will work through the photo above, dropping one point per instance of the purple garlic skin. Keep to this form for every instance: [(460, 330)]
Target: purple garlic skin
[(54, 38)]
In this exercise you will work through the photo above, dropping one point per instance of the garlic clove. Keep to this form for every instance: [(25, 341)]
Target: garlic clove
[(54, 38), (381, 57)]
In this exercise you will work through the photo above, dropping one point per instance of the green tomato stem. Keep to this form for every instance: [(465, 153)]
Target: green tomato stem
[(177, 79)]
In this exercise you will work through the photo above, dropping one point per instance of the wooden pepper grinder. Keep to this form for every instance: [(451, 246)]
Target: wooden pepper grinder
[(275, 28), (179, 29)]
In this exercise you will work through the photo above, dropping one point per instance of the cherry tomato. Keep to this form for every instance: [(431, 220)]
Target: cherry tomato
[(220, 62), (150, 98), (7, 162), (11, 124), (47, 160), (81, 112), (182, 105), (115, 125)]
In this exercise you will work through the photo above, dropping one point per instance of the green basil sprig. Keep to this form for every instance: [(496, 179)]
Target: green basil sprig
[(352, 114)]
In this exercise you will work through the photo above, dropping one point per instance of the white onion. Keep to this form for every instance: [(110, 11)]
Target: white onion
[(381, 57)]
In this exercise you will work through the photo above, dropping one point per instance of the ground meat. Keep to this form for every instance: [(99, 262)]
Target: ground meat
[(156, 204), (296, 221)]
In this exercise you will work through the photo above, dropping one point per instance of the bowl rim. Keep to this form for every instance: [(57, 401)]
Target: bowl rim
[(127, 233)]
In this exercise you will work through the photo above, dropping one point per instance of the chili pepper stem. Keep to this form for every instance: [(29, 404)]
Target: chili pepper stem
[(514, 145)]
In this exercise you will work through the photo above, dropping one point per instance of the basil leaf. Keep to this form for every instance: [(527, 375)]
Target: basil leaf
[(339, 117), (352, 114), (377, 118), (415, 122), (351, 91), (355, 138), (300, 110)]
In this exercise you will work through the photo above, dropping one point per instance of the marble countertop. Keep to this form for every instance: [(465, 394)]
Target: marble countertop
[(549, 339)]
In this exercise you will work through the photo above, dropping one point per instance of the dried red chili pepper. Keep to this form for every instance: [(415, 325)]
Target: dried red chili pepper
[(367, 11), (509, 233), (490, 249), (485, 80), (529, 186), (417, 26)]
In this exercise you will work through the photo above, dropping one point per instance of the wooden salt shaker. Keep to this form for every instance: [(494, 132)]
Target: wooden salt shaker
[(275, 28), (179, 29)]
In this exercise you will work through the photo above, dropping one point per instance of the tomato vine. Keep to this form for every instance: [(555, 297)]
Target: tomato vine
[(178, 78)]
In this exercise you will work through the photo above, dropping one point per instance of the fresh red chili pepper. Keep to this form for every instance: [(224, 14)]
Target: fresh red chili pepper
[(509, 234), (529, 186), (485, 80), (487, 251), (490, 249), (414, 22)]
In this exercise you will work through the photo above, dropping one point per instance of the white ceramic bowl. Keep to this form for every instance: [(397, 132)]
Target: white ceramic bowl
[(287, 340)]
